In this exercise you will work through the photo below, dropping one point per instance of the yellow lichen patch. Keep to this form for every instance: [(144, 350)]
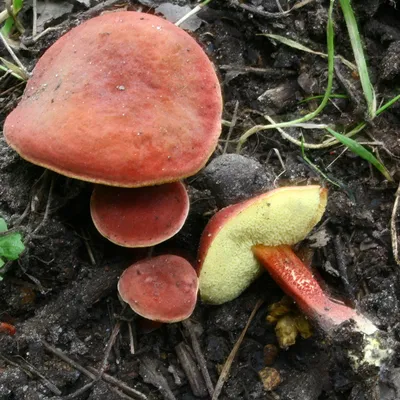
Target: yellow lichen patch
[(282, 216)]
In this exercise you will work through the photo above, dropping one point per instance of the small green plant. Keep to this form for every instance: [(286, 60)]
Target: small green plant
[(11, 245)]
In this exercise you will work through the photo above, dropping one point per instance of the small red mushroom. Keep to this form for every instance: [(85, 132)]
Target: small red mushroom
[(162, 288), (139, 217)]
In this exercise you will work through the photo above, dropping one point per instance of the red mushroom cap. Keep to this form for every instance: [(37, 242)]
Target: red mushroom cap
[(139, 217), (124, 99), (162, 288)]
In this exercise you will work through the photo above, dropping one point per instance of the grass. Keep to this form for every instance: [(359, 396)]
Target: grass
[(361, 151), (17, 70), (301, 47), (369, 94), (11, 21), (320, 96), (358, 51), (331, 49)]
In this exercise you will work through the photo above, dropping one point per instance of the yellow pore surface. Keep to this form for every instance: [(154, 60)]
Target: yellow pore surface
[(282, 216)]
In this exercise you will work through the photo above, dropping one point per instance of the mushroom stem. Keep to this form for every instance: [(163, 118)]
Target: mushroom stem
[(298, 282)]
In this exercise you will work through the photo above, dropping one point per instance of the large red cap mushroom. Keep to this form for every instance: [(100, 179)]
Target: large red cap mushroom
[(139, 217), (227, 265), (162, 288), (125, 99)]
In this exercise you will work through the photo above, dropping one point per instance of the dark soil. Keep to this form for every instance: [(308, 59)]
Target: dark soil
[(61, 293)]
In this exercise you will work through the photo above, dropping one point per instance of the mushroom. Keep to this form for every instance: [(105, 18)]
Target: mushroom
[(261, 230), (139, 217), (226, 264), (162, 288), (125, 99)]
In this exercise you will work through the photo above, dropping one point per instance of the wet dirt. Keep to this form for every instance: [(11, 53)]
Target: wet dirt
[(61, 293)]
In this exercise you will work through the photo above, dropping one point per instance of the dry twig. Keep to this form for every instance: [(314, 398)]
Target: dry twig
[(393, 229), (228, 363), (201, 361)]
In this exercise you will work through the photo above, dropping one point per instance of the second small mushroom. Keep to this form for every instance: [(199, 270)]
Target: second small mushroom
[(162, 288)]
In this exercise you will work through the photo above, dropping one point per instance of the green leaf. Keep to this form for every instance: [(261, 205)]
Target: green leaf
[(361, 151), (1, 263), (3, 225), (11, 246)]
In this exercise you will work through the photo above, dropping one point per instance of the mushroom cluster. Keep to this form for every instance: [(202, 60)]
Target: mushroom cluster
[(132, 103)]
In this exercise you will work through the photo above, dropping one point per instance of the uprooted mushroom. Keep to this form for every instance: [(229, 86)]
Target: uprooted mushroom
[(241, 239)]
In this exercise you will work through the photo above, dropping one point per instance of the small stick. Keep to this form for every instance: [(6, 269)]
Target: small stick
[(227, 366), (86, 240), (80, 391), (131, 338), (192, 373), (47, 209), (16, 365), (121, 394), (393, 229), (34, 20), (107, 352), (192, 12), (199, 356), (233, 124), (51, 386), (123, 386), (68, 360), (257, 71), (267, 14)]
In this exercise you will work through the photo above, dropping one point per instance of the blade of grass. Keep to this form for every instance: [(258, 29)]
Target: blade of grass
[(331, 53), (361, 151), (314, 167), (298, 46), (5, 69), (16, 71), (320, 96), (358, 51)]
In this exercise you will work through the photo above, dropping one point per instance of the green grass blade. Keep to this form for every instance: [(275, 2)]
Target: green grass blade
[(292, 43), (320, 96), (298, 46), (9, 23), (15, 70), (358, 52), (17, 5), (314, 167), (7, 27), (361, 151)]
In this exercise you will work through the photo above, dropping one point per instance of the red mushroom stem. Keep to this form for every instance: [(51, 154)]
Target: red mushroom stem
[(298, 282)]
